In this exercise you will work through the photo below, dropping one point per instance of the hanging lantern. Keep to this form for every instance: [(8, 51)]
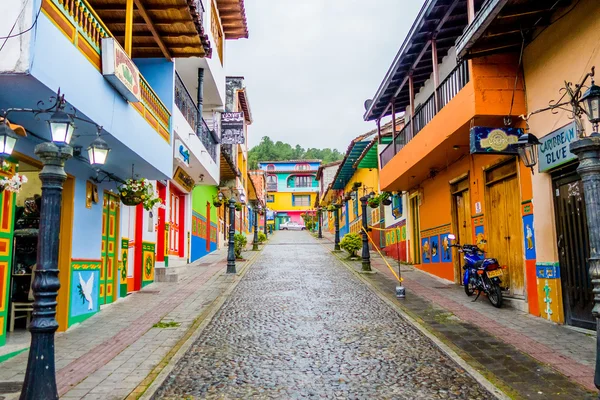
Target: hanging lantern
[(591, 104), (98, 151), (526, 147), (8, 139), (61, 127)]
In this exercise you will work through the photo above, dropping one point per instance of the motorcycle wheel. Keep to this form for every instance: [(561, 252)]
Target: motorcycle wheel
[(495, 296), (469, 290)]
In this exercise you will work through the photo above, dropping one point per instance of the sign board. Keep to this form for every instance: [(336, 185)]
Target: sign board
[(553, 150), (232, 128), (486, 140), (182, 152), (184, 179), (120, 70)]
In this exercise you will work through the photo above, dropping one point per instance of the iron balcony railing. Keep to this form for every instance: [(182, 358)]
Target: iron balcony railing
[(424, 113), (188, 108)]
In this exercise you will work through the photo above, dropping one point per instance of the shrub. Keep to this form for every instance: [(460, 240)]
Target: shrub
[(351, 242), (239, 244), (262, 237)]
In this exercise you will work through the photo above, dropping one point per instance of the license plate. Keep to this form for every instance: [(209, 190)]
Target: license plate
[(494, 273)]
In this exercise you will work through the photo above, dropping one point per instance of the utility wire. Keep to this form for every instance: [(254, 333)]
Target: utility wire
[(10, 36)]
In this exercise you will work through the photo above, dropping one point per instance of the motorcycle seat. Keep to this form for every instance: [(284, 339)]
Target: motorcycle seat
[(478, 264)]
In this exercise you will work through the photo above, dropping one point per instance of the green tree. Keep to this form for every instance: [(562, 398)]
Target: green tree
[(267, 150)]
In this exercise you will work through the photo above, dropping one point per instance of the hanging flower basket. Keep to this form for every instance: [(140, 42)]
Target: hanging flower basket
[(141, 191), (238, 206), (356, 185), (216, 202), (348, 197), (386, 202), (373, 202)]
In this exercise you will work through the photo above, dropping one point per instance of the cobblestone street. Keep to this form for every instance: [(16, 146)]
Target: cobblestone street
[(301, 325)]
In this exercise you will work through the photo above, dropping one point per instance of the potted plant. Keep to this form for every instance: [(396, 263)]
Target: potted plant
[(239, 244), (373, 202), (139, 191), (238, 206), (356, 185), (351, 242), (348, 196), (386, 199), (331, 208), (13, 184), (217, 202)]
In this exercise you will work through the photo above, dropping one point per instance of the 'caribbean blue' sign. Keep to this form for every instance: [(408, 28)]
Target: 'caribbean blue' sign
[(554, 147)]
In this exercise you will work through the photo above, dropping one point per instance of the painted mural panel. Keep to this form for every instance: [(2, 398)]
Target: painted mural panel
[(6, 235), (446, 250), (84, 299), (148, 260), (204, 241), (123, 267), (425, 250), (435, 254)]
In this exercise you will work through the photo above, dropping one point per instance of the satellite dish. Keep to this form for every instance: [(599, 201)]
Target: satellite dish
[(368, 103)]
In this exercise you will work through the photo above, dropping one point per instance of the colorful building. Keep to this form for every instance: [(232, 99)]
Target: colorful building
[(555, 241), (292, 188), (150, 121), (453, 157)]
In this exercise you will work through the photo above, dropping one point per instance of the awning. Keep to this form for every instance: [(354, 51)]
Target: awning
[(18, 129), (161, 28), (502, 25), (346, 169)]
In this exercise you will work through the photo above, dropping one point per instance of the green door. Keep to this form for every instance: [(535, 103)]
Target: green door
[(109, 269), (7, 212)]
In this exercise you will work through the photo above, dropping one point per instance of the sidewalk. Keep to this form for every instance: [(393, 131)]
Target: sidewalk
[(438, 304), (111, 355)]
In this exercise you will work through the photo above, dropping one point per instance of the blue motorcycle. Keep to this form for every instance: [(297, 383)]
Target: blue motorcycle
[(481, 274)]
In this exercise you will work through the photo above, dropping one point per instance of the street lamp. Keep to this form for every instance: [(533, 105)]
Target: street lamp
[(98, 151), (8, 139), (61, 126), (527, 149), (265, 221), (366, 256), (255, 240), (320, 221), (337, 228), (231, 245), (587, 149)]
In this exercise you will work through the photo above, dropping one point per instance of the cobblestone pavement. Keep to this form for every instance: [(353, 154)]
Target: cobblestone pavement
[(301, 325)]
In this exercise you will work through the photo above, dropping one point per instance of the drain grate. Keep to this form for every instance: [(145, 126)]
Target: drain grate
[(10, 387)]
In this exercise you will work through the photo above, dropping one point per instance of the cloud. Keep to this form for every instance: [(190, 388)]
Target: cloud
[(310, 65)]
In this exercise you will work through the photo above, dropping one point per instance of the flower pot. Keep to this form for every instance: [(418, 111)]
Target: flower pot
[(373, 205), (217, 204), (387, 202), (132, 199)]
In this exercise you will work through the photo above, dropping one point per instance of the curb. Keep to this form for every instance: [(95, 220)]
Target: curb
[(148, 388), (453, 355)]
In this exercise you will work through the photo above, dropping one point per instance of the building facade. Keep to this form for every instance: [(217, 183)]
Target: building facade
[(556, 240), (453, 156), (292, 188), (133, 90)]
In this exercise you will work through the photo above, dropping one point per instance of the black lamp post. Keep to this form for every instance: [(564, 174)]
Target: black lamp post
[(255, 240), (366, 256), (337, 229), (320, 221), (587, 149), (265, 222), (231, 244)]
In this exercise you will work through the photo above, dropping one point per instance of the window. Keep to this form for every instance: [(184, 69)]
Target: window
[(397, 206), (303, 181), (355, 206), (270, 167), (301, 200), (270, 198), (302, 167)]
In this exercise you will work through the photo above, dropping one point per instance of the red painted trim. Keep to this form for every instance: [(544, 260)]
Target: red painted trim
[(181, 223), (137, 260), (207, 226), (160, 245)]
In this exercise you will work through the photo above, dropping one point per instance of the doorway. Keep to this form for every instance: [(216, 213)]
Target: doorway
[(505, 224), (573, 249), (109, 255), (461, 219), (176, 222), (415, 229)]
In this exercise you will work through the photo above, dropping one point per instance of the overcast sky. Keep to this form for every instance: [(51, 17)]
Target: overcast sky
[(309, 65)]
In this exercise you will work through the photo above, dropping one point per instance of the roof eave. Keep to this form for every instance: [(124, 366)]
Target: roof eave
[(477, 28)]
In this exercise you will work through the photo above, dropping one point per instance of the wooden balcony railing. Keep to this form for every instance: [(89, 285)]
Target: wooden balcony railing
[(90, 27), (446, 91)]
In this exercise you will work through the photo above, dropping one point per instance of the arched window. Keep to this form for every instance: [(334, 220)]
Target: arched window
[(302, 167), (271, 167)]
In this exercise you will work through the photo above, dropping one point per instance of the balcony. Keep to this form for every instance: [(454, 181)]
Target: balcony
[(446, 91), (271, 186), (185, 103)]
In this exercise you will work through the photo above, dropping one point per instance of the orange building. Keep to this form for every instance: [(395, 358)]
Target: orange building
[(454, 156)]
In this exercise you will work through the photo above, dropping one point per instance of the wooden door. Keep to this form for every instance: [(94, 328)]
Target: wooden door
[(109, 255), (574, 251), (415, 230), (461, 220), (174, 224), (505, 225)]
